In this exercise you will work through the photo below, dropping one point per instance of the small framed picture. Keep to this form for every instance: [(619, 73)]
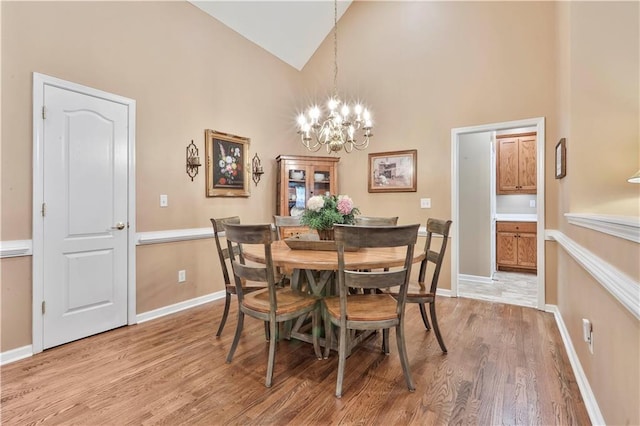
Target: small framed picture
[(393, 171), (561, 159), (227, 173)]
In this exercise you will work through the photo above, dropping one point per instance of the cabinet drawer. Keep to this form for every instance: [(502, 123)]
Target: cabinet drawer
[(529, 227)]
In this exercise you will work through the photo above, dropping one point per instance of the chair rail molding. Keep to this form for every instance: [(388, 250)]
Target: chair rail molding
[(619, 284), (173, 235), (16, 248), (627, 227)]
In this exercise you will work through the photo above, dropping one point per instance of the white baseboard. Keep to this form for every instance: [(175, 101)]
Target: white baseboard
[(444, 292), (475, 279), (17, 354), (585, 389), (177, 307)]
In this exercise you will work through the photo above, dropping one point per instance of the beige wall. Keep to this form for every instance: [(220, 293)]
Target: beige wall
[(187, 73), (598, 71)]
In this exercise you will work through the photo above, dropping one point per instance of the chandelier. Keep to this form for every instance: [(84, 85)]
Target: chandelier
[(345, 126)]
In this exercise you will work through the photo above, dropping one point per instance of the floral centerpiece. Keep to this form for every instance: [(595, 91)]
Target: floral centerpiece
[(323, 212)]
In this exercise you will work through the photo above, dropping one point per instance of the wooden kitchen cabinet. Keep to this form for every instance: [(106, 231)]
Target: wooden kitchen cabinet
[(301, 177), (516, 164), (516, 246)]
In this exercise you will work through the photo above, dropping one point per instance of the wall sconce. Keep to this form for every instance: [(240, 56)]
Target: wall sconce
[(193, 160), (256, 169), (635, 178)]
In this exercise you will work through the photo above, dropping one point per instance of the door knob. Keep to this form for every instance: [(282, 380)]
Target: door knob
[(119, 225)]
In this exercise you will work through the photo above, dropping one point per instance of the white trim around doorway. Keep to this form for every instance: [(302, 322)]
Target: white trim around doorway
[(39, 82), (539, 124)]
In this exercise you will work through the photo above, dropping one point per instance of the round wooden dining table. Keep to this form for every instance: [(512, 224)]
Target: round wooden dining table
[(327, 260), (318, 267)]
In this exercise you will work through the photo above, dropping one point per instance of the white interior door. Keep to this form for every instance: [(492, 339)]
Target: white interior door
[(84, 265)]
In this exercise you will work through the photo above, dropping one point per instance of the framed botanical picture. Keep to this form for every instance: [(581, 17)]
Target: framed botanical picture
[(561, 159), (227, 172), (393, 171)]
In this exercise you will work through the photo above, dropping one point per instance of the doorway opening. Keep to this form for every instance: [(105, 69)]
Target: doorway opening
[(473, 160)]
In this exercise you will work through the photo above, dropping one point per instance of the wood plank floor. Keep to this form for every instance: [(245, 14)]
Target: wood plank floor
[(506, 365)]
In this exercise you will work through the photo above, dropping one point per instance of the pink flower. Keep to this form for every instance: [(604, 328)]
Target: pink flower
[(345, 204)]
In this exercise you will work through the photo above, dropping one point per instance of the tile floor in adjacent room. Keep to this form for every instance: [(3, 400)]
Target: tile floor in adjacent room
[(507, 287)]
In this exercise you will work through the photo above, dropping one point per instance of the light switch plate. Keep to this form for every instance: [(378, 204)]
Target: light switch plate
[(425, 203), (164, 200)]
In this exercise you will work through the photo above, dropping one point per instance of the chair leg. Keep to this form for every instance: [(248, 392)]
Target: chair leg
[(267, 333), (272, 353), (328, 334), (423, 313), (385, 341), (236, 338), (315, 331), (402, 352), (434, 320), (223, 321), (342, 359)]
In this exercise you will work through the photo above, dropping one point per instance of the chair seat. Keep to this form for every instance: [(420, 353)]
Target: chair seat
[(415, 292), (364, 307), (288, 300)]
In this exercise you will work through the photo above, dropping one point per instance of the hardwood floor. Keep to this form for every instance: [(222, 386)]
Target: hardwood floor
[(506, 365)]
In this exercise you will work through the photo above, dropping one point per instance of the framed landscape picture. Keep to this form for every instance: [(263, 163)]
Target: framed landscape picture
[(393, 171), (227, 173)]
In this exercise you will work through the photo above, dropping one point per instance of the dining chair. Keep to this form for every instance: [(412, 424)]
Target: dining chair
[(274, 304), (376, 221), (223, 255), (287, 226), (417, 291), (369, 311)]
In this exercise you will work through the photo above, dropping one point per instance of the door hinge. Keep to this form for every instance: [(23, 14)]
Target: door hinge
[(43, 307), (44, 209), (44, 112)]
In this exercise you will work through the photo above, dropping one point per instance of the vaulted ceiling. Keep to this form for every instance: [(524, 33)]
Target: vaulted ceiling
[(290, 30)]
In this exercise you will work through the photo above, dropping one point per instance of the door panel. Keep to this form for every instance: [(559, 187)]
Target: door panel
[(85, 191)]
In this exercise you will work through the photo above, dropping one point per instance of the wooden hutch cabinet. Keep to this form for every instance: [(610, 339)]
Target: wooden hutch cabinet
[(301, 177), (516, 164), (516, 246)]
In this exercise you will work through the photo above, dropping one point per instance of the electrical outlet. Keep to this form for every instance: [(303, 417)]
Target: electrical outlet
[(532, 203), (182, 276), (587, 333), (425, 203), (164, 200), (591, 343)]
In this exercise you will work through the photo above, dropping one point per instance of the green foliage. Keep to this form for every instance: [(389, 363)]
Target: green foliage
[(328, 215)]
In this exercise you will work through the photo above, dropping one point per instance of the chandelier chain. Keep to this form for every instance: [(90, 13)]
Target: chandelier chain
[(335, 49), (342, 126)]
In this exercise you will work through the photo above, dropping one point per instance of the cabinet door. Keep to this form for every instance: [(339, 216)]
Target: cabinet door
[(297, 177), (506, 248), (527, 250), (527, 165), (320, 181), (507, 165)]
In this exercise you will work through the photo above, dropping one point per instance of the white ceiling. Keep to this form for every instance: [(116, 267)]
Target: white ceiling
[(290, 30)]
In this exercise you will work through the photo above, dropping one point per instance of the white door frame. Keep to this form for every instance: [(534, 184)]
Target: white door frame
[(39, 82), (539, 123)]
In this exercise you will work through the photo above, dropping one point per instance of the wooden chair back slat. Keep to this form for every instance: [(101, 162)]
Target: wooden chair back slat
[(369, 280), (376, 221), (375, 236)]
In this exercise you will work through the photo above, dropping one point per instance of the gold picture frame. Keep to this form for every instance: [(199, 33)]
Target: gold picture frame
[(227, 171), (393, 171)]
